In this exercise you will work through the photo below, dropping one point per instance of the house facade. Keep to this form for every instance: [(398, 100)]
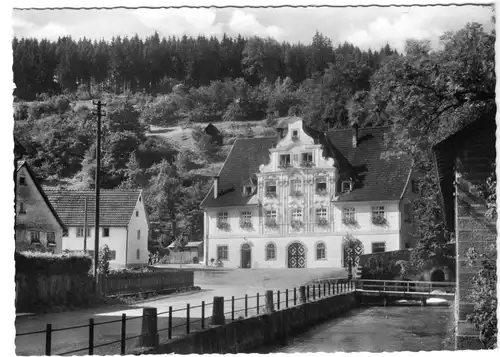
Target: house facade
[(37, 223), (123, 221), (288, 201), (463, 163)]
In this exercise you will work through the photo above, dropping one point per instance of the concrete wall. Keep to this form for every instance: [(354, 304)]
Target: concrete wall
[(37, 217), (248, 334), (137, 243)]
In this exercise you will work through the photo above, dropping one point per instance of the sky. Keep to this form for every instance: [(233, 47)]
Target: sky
[(364, 27)]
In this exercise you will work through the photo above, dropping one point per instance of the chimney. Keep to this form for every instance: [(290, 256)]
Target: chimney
[(280, 133), (354, 135), (216, 186)]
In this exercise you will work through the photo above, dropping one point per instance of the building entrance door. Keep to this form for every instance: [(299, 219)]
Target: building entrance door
[(246, 256), (296, 256)]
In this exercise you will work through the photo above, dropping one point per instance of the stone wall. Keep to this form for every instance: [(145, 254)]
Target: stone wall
[(248, 334), (473, 167)]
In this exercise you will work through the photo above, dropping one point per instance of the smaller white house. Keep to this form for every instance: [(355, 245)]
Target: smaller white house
[(123, 223)]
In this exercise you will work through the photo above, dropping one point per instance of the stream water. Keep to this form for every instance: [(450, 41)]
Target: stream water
[(376, 329)]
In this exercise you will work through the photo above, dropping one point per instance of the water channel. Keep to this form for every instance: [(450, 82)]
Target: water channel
[(376, 329)]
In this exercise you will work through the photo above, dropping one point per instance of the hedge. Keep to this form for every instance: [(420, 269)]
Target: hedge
[(52, 264)]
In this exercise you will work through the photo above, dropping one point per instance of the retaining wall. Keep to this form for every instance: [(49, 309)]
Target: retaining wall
[(248, 334)]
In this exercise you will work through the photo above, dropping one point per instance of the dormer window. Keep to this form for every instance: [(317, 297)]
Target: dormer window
[(285, 160), (321, 186), (295, 134), (247, 190), (22, 181), (346, 186)]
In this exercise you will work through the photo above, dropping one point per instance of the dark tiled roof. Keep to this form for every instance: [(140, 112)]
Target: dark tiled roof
[(22, 163), (116, 206), (377, 176), (242, 162)]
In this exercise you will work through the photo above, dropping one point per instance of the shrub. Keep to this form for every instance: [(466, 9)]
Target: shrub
[(296, 225), (52, 264), (104, 258), (61, 104), (376, 267), (21, 112)]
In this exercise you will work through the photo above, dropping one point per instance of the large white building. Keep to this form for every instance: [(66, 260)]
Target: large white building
[(288, 201), (124, 225)]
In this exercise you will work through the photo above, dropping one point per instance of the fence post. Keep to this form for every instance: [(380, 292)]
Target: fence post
[(329, 290), (324, 288), (232, 308), (149, 328), (295, 296), (269, 302), (314, 292), (319, 291), (203, 314), (257, 303), (188, 310), (124, 334), (302, 291), (91, 337), (170, 322), (308, 292), (218, 311), (286, 297), (48, 340), (278, 297), (246, 305)]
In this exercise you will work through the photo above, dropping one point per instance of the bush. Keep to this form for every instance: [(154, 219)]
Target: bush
[(61, 104), (104, 258), (21, 112), (52, 264)]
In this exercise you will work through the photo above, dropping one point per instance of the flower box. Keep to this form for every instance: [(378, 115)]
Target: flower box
[(322, 192), (246, 225), (379, 221), (296, 194), (296, 225), (322, 222), (307, 164), (271, 223), (295, 138), (271, 195), (223, 226), (349, 221)]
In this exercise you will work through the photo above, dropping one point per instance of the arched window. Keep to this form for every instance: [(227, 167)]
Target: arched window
[(320, 251), (270, 251)]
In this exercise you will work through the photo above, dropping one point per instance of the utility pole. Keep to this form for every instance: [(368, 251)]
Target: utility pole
[(99, 113), (85, 228)]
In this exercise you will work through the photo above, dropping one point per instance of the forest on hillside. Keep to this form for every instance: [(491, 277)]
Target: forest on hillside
[(423, 94)]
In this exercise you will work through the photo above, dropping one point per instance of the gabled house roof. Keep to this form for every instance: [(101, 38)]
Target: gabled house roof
[(481, 131), (116, 206), (377, 177), (244, 160), (24, 164)]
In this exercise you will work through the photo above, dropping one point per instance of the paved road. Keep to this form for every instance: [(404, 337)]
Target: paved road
[(225, 283)]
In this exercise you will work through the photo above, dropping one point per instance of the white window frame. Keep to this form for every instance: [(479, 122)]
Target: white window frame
[(51, 237), (295, 134), (222, 217), (226, 247), (349, 212), (271, 184), (268, 250), (378, 211), (345, 186), (35, 237), (104, 231), (271, 214), (79, 232), (297, 214), (318, 244), (308, 153), (321, 212), (246, 216), (112, 254), (281, 161), (22, 181)]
